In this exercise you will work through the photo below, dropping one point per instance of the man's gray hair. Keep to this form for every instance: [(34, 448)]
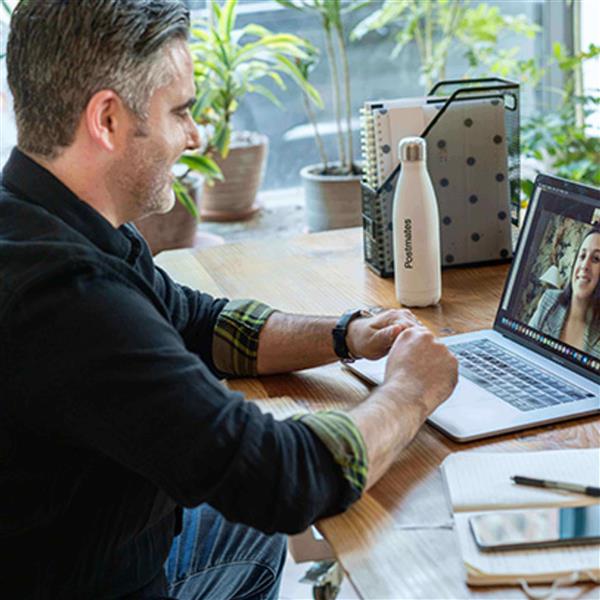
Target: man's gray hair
[(61, 52)]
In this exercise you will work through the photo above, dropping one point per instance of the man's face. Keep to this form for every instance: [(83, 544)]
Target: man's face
[(586, 274), (143, 170)]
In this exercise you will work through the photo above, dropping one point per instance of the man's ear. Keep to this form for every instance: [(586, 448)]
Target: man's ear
[(106, 119)]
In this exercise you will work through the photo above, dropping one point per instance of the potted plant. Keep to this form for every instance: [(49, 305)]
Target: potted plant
[(332, 191), (228, 64)]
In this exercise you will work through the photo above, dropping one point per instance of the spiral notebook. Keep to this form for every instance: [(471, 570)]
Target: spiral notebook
[(384, 124)]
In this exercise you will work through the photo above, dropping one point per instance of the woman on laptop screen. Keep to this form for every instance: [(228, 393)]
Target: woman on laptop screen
[(573, 313)]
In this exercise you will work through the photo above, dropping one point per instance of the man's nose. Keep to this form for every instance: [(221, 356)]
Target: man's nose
[(194, 141)]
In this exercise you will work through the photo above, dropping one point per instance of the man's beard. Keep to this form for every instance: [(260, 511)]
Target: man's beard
[(144, 178)]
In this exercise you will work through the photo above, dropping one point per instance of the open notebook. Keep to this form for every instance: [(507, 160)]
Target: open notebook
[(477, 482)]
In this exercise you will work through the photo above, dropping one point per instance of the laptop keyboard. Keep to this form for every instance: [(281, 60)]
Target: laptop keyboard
[(515, 380)]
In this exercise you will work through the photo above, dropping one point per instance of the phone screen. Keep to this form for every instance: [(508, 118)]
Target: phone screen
[(537, 527)]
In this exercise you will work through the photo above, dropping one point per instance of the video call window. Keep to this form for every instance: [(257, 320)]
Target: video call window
[(554, 292)]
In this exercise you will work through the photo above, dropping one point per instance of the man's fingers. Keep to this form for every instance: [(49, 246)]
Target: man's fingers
[(395, 316), (389, 334)]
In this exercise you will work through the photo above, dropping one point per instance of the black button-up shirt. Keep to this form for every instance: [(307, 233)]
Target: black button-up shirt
[(111, 412)]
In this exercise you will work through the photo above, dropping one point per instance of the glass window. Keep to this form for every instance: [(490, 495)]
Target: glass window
[(373, 75), (590, 18)]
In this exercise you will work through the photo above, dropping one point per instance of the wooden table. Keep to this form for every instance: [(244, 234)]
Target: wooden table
[(397, 541)]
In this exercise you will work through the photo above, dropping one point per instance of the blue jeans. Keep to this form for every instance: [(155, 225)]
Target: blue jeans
[(212, 558)]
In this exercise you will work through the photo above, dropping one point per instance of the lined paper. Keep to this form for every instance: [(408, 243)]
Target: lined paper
[(481, 480)]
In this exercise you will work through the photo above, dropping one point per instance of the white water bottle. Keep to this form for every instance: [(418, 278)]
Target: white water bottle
[(416, 223)]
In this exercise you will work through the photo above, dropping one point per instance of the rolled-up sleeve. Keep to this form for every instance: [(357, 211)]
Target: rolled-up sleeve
[(343, 439), (223, 333), (235, 337)]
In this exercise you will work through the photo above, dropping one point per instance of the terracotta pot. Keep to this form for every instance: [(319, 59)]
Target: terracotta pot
[(175, 229), (234, 198), (332, 201)]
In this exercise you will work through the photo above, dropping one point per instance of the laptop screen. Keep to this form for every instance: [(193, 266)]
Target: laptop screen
[(551, 301)]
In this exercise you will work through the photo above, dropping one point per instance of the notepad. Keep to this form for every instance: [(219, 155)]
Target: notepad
[(477, 482)]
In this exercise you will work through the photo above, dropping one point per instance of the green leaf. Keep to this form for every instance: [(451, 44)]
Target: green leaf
[(203, 102), (390, 12), (270, 44), (288, 4), (277, 79), (212, 63), (227, 20), (527, 186), (405, 36), (266, 92), (216, 10), (257, 30), (558, 51), (201, 164), (294, 72), (200, 34), (352, 6), (182, 195), (221, 139)]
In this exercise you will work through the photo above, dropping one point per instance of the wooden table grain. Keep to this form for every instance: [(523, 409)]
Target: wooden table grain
[(397, 541)]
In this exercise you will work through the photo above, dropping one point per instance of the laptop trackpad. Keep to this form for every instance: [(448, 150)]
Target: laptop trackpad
[(471, 409)]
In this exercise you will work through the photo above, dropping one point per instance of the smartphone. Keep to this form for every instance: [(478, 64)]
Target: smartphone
[(536, 528)]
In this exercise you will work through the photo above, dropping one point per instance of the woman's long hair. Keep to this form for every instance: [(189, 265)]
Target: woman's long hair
[(564, 299)]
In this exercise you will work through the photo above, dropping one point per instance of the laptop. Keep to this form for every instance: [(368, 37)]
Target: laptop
[(521, 373)]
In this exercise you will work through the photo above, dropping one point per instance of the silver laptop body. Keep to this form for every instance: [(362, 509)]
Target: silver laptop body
[(519, 373)]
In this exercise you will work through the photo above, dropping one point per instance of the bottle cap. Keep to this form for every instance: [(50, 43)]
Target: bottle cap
[(412, 149)]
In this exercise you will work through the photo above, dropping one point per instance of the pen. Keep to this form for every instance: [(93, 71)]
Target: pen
[(589, 490)]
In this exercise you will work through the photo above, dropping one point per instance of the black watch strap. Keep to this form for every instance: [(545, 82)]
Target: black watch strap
[(340, 331)]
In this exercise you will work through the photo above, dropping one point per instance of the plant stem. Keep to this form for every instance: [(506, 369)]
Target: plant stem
[(419, 40), (452, 22), (335, 85), (211, 15), (578, 68), (429, 38), (313, 121), (346, 79)]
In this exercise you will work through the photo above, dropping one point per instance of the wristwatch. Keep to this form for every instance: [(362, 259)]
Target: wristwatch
[(340, 331)]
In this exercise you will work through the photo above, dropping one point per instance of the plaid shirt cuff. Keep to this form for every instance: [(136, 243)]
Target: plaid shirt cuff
[(345, 442), (235, 338)]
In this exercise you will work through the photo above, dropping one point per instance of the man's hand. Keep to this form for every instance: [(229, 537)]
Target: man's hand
[(422, 363), (372, 337), (420, 374)]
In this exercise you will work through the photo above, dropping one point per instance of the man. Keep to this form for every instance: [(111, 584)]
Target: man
[(112, 415)]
